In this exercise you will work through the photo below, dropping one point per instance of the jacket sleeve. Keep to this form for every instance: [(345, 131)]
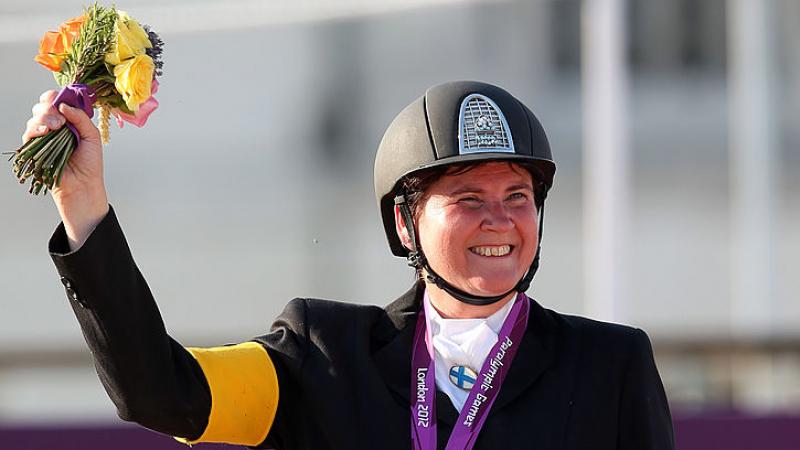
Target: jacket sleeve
[(645, 422), (150, 378), (288, 346)]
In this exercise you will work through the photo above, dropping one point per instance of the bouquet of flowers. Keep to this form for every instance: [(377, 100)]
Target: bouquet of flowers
[(102, 59)]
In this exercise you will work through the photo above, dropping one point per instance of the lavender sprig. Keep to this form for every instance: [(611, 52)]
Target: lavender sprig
[(156, 50)]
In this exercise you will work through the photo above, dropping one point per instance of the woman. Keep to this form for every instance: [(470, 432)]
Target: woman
[(462, 360)]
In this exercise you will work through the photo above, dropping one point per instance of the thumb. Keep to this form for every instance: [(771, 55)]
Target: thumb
[(80, 121)]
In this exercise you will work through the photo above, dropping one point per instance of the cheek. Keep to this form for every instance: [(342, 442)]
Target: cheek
[(446, 247), (431, 229), (528, 226), (440, 232)]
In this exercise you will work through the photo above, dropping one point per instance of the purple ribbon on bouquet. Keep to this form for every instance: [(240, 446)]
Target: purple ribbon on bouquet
[(79, 96)]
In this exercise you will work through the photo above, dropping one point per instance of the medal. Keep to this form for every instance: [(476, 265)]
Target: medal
[(463, 377), (483, 386)]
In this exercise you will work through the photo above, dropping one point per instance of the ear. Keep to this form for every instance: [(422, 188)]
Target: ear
[(400, 228)]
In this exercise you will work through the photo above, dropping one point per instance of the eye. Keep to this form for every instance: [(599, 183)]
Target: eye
[(470, 202), (518, 197)]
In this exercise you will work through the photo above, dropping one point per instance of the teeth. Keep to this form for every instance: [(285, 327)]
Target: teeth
[(500, 250)]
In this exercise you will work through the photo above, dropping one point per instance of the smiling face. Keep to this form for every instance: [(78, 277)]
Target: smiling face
[(478, 228)]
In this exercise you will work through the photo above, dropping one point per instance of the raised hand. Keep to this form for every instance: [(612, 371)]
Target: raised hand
[(81, 195)]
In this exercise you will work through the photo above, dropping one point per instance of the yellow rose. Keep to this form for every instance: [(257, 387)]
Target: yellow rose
[(130, 39), (134, 79)]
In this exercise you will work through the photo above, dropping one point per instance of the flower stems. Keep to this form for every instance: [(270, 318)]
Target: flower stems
[(42, 159)]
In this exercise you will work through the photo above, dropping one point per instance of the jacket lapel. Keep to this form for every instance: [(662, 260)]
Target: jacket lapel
[(535, 354), (392, 339)]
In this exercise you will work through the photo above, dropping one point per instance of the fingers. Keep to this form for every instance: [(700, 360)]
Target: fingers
[(42, 108), (45, 104), (45, 117), (80, 121), (48, 96), (40, 125), (43, 121)]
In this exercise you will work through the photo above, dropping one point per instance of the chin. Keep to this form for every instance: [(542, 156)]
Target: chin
[(490, 288)]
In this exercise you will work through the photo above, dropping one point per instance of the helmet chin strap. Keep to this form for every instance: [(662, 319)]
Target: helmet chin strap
[(417, 260)]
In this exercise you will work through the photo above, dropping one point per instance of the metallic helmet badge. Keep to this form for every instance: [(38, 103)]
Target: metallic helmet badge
[(482, 127)]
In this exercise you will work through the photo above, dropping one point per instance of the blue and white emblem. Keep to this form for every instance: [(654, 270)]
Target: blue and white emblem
[(482, 127), (463, 377)]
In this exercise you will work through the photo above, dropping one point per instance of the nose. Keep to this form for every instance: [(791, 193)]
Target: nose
[(497, 217)]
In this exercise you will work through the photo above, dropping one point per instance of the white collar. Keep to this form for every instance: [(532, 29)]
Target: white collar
[(437, 324), (457, 342)]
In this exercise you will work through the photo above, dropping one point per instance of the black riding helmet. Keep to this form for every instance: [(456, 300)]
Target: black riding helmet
[(456, 123)]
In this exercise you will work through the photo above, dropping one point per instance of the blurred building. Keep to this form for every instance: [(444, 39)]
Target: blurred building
[(253, 182)]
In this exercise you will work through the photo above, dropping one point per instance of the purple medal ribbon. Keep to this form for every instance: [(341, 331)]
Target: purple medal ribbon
[(79, 96), (481, 396), (423, 389)]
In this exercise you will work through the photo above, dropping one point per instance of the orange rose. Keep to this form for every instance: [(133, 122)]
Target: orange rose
[(54, 44), (71, 29), (51, 51)]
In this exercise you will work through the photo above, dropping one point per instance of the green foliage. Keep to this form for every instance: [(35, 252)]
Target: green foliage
[(61, 79), (89, 50), (115, 100)]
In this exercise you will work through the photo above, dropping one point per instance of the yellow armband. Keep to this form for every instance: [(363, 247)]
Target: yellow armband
[(244, 393)]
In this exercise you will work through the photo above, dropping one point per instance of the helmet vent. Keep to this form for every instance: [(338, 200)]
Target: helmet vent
[(482, 127)]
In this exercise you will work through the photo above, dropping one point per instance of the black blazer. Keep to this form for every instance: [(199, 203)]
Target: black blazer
[(344, 369)]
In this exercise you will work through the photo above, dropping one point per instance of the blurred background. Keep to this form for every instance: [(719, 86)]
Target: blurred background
[(675, 127)]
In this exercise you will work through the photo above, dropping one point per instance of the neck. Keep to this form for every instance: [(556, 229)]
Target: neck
[(452, 308)]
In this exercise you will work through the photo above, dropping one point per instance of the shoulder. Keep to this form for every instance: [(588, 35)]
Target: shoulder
[(613, 371), (318, 314), (596, 329), (322, 308), (602, 339), (307, 322), (337, 319)]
